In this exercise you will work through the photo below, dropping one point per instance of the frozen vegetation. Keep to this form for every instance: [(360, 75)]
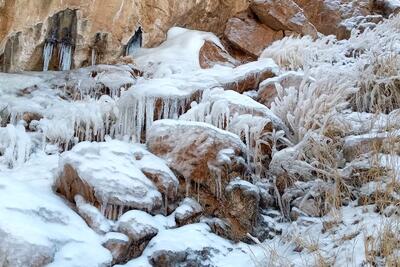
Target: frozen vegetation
[(161, 162)]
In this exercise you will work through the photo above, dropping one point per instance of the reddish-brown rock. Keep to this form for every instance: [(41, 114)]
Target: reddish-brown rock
[(211, 55), (246, 34), (283, 15)]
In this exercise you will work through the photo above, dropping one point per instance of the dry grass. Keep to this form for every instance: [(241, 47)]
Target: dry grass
[(382, 247)]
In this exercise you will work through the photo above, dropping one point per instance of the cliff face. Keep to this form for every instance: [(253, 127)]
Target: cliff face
[(97, 30)]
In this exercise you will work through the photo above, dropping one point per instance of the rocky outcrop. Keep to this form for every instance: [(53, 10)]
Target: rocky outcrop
[(100, 31)]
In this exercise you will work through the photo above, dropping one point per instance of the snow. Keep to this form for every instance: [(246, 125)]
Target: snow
[(178, 54), (40, 224), (217, 251)]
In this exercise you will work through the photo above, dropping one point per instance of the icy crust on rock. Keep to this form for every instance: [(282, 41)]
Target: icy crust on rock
[(219, 107), (114, 170), (169, 97), (40, 228), (199, 246), (166, 127)]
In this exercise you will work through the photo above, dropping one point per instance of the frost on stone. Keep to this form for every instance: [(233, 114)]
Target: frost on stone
[(108, 176), (140, 227), (92, 216), (201, 162), (219, 107), (188, 211)]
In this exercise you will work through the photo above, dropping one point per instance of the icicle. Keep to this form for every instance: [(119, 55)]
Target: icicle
[(65, 57), (94, 55), (47, 54)]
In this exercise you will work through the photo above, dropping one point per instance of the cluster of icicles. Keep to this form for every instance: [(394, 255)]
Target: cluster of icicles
[(65, 56), (131, 117)]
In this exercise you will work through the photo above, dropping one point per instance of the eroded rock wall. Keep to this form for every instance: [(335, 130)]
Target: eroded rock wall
[(105, 26)]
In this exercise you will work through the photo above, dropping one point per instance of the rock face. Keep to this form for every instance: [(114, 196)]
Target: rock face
[(283, 15), (326, 16), (98, 31)]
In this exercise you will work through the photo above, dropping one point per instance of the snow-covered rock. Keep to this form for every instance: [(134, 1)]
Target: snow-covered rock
[(199, 154), (197, 246), (109, 176), (188, 212)]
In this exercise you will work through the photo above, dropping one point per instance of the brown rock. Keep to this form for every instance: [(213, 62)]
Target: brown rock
[(252, 76), (188, 212), (211, 55), (243, 200), (283, 15), (248, 35), (118, 245), (327, 16), (140, 228), (207, 158), (385, 7)]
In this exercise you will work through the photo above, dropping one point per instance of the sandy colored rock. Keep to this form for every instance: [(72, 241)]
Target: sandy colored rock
[(246, 34), (283, 15), (103, 26)]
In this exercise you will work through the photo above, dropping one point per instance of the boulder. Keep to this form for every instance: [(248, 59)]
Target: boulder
[(109, 176), (327, 16), (188, 212), (211, 54), (204, 154), (208, 159), (246, 34), (385, 7), (283, 15), (243, 200), (140, 227), (118, 245)]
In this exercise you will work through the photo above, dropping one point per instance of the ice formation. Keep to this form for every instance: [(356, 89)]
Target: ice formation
[(134, 43), (65, 57), (47, 54), (15, 145)]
